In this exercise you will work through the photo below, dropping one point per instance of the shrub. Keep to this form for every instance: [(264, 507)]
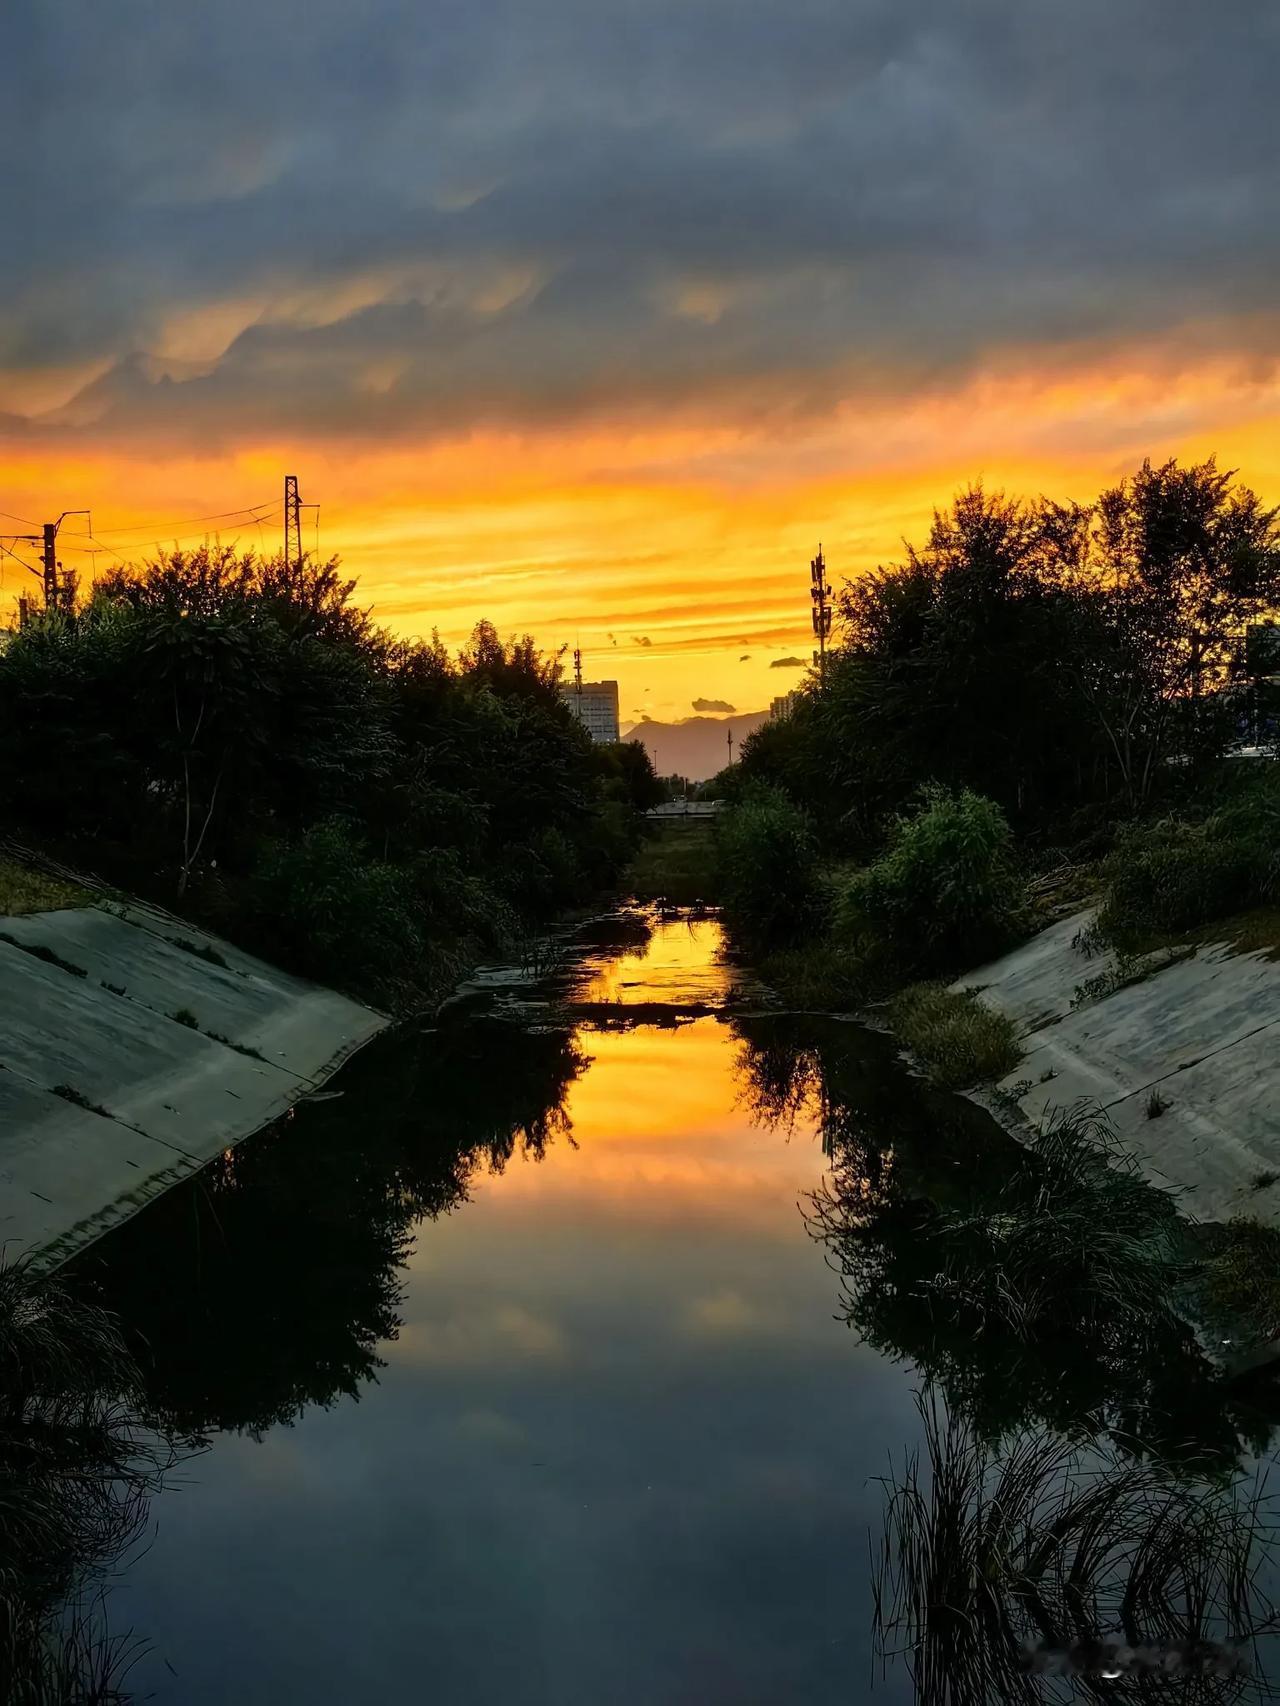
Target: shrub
[(946, 893), (768, 869), (1174, 875), (959, 1041), (336, 912)]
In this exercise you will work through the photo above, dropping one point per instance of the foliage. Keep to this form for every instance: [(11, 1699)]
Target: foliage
[(1180, 872), (957, 1039), (945, 893), (767, 860), (221, 713), (675, 862), (1052, 657)]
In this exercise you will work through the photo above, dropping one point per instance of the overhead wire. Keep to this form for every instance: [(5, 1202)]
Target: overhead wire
[(247, 510)]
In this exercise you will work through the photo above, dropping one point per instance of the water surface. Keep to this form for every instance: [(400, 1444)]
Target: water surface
[(522, 1377)]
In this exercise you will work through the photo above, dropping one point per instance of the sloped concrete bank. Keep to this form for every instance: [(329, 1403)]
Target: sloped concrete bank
[(1201, 1034), (134, 1048)]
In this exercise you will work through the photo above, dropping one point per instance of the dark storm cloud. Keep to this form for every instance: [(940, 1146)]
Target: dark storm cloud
[(786, 663), (481, 210)]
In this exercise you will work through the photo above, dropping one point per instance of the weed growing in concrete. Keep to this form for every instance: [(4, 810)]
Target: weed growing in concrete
[(201, 950), (78, 1099), (40, 951), (184, 1016), (114, 988), (240, 1048), (1263, 1181), (1157, 1105)]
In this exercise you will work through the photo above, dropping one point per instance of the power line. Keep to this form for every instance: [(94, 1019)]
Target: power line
[(10, 516), (17, 559), (248, 510)]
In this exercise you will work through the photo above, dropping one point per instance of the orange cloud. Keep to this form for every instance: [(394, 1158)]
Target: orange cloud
[(695, 531)]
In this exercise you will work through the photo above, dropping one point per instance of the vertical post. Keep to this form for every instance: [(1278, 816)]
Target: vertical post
[(577, 681), (820, 593), (728, 735), (50, 557), (292, 523)]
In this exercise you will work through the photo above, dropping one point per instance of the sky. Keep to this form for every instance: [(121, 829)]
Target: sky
[(594, 317)]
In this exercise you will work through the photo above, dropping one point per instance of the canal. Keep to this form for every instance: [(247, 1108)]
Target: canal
[(520, 1370)]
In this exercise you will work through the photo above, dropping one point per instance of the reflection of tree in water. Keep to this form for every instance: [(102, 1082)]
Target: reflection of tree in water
[(917, 1181), (268, 1282), (77, 1468)]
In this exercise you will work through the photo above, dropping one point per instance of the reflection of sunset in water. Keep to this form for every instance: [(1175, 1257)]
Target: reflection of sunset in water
[(618, 1444), (680, 963), (661, 1134)]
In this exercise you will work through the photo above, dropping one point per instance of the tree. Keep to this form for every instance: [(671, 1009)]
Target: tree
[(1181, 560)]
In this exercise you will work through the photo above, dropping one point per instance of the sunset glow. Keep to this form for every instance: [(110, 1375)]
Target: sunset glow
[(597, 332)]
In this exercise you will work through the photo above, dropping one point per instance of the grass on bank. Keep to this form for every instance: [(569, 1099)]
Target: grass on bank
[(676, 861), (958, 1040), (24, 890)]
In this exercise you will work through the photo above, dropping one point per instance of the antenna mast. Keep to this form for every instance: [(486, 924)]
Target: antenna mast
[(820, 593)]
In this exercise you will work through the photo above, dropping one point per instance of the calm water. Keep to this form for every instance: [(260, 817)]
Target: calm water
[(523, 1379)]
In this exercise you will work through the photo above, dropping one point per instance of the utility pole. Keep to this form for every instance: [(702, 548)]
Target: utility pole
[(292, 524), (57, 591), (820, 593), (728, 735), (577, 681)]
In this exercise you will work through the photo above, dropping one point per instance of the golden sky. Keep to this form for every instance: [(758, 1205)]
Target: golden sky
[(594, 318)]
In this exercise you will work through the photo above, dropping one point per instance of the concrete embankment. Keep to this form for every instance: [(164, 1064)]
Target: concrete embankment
[(134, 1048), (1200, 1035)]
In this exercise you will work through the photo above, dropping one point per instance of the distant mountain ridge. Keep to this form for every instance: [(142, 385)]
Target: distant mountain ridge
[(696, 747)]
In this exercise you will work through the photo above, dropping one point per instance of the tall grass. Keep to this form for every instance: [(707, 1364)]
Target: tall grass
[(958, 1040), (986, 1555)]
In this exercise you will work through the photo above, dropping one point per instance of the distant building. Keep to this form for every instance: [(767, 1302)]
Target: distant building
[(597, 705), (782, 706)]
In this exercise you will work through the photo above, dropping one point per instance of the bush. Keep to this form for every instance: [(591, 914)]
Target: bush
[(959, 1041), (336, 913), (768, 869), (945, 894), (1174, 875)]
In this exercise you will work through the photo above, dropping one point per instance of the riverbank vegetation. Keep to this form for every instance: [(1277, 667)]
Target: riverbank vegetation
[(1033, 706), (1040, 1284), (238, 739), (997, 1565), (675, 862), (959, 1041)]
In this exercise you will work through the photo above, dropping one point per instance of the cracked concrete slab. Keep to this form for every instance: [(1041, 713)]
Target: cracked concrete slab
[(106, 1097), (1202, 1034)]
